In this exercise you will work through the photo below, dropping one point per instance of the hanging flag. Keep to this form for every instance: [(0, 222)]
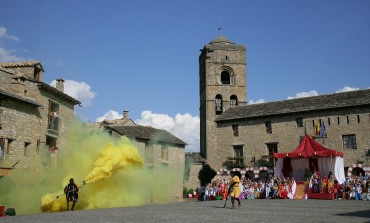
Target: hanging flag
[(322, 130), (316, 129)]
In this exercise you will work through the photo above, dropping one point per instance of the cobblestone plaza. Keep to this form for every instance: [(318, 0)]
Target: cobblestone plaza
[(213, 211)]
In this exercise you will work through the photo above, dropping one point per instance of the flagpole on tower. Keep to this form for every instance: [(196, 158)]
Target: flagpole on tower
[(219, 27)]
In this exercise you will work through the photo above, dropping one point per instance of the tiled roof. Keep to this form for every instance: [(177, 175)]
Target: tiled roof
[(21, 64), (221, 39), (147, 133), (308, 104), (222, 43), (4, 94), (194, 158), (49, 88), (120, 121)]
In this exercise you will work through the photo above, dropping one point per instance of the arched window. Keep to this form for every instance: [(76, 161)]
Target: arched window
[(233, 100), (218, 104), (225, 77)]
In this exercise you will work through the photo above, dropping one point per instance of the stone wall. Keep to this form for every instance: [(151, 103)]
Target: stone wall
[(25, 121), (218, 56), (193, 182), (174, 165), (254, 139)]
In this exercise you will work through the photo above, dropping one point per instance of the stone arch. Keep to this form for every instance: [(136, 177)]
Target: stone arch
[(226, 75), (233, 100), (218, 104), (223, 171), (355, 166), (249, 173)]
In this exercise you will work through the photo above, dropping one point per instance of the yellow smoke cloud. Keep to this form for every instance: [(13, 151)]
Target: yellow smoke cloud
[(117, 155), (112, 168), (113, 159)]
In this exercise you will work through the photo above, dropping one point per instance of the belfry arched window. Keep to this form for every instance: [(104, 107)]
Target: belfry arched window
[(233, 100), (225, 77), (218, 104)]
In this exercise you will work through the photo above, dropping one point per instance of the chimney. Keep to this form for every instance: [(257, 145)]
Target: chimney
[(125, 114), (60, 85)]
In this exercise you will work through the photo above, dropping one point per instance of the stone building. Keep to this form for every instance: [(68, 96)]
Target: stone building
[(33, 116), (193, 164), (159, 148), (248, 135)]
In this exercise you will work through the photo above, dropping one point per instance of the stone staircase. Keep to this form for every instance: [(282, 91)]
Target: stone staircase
[(300, 190)]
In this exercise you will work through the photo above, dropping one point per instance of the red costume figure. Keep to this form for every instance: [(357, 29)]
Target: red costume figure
[(71, 192)]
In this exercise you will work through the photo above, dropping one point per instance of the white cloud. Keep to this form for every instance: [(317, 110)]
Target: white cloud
[(305, 94), (78, 90), (345, 89), (9, 55), (4, 34), (259, 101), (184, 126), (109, 115), (60, 62)]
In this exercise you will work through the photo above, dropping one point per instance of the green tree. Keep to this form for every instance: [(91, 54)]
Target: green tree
[(206, 174)]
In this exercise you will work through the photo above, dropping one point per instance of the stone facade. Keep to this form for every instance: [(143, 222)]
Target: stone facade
[(222, 73), (254, 138), (193, 164), (249, 134), (34, 116)]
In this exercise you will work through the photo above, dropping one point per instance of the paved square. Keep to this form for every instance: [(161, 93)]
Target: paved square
[(213, 211)]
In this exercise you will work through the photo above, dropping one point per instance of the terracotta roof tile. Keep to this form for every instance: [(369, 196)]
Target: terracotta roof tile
[(147, 133), (21, 64), (308, 104)]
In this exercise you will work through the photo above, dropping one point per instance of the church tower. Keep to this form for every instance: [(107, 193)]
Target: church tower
[(222, 83)]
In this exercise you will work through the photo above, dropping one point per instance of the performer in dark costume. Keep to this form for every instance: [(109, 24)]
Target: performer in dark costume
[(71, 192)]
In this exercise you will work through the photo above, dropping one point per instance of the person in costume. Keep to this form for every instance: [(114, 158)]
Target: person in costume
[(235, 189), (71, 192)]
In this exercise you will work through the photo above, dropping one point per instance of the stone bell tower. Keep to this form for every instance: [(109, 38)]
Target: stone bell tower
[(223, 84)]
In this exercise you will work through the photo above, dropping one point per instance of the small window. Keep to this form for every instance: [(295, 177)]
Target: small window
[(148, 153), (268, 127), (226, 58), (1, 118), (164, 153), (313, 123), (358, 119), (347, 119), (218, 104), (238, 154), (233, 100), (338, 120), (235, 130), (225, 77), (328, 121), (8, 146), (53, 116), (26, 144), (2, 147), (299, 122), (272, 148), (349, 142)]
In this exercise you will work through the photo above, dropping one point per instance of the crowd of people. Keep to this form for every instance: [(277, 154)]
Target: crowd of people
[(354, 188), (270, 188)]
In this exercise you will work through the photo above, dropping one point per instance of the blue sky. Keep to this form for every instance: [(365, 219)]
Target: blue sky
[(142, 56)]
